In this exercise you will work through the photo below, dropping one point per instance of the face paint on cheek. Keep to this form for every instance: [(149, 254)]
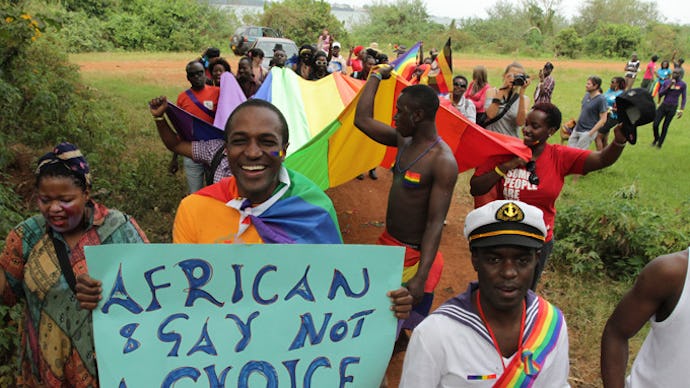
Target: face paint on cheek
[(68, 218), (279, 154)]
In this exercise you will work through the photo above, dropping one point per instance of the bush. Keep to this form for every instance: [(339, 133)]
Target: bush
[(303, 20), (154, 25), (82, 33), (615, 236), (10, 215), (568, 43), (145, 190), (613, 40)]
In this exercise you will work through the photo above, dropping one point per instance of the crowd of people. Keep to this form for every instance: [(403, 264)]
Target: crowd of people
[(499, 331)]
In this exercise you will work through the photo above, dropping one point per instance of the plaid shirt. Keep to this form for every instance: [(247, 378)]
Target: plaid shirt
[(203, 151)]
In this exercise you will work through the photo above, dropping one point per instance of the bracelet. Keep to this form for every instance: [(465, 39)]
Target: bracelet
[(376, 75), (496, 101), (621, 145), (499, 172), (158, 118)]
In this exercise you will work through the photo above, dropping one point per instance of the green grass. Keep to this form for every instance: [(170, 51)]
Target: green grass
[(658, 176)]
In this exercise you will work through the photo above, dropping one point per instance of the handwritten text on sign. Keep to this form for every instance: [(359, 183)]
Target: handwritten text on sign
[(244, 315)]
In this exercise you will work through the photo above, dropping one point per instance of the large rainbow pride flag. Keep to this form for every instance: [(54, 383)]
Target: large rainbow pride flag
[(308, 106), (325, 145), (340, 151)]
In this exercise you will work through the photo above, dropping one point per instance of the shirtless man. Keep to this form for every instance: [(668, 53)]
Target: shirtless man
[(424, 177), (660, 295)]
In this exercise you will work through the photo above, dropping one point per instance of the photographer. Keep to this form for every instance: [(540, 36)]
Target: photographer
[(506, 107)]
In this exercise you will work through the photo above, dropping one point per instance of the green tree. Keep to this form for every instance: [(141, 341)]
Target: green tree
[(507, 29), (568, 43), (613, 40), (663, 39), (303, 20), (157, 25), (632, 13), (541, 14), (92, 8), (405, 22)]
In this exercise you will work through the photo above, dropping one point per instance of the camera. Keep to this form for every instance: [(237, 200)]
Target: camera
[(519, 79)]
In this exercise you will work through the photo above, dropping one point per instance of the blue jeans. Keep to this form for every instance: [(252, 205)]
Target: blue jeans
[(195, 174)]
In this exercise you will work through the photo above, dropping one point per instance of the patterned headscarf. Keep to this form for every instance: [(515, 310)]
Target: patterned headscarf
[(69, 155)]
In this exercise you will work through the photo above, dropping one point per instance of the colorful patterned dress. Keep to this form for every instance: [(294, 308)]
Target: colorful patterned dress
[(57, 347)]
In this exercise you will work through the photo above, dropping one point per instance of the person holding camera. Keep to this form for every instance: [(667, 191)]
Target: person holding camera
[(507, 106), (546, 84)]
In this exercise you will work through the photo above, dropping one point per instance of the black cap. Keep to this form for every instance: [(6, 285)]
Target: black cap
[(277, 47), (634, 107)]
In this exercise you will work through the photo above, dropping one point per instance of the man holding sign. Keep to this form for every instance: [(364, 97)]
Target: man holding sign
[(263, 202)]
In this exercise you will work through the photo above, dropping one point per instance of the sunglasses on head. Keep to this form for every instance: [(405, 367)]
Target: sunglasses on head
[(459, 84), (531, 167)]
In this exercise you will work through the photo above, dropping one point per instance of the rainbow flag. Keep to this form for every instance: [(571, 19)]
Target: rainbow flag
[(412, 179), (308, 106), (340, 151), (541, 340), (406, 63)]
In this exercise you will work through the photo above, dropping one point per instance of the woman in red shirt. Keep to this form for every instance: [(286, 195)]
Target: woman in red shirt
[(539, 181)]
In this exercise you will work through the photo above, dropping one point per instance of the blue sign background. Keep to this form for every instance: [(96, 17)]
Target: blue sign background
[(244, 315)]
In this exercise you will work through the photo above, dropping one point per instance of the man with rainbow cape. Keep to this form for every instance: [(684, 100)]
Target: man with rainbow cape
[(498, 333), (261, 203)]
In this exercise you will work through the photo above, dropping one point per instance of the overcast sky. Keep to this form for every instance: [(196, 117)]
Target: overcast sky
[(675, 11)]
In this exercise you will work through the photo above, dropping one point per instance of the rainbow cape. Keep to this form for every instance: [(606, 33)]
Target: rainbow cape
[(543, 325), (300, 213), (340, 151)]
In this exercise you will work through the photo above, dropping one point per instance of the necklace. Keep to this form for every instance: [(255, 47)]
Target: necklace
[(491, 332), (399, 157)]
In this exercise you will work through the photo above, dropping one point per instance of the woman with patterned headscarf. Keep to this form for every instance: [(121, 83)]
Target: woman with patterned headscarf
[(42, 257)]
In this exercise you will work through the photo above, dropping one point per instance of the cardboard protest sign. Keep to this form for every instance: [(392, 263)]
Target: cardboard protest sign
[(244, 315)]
